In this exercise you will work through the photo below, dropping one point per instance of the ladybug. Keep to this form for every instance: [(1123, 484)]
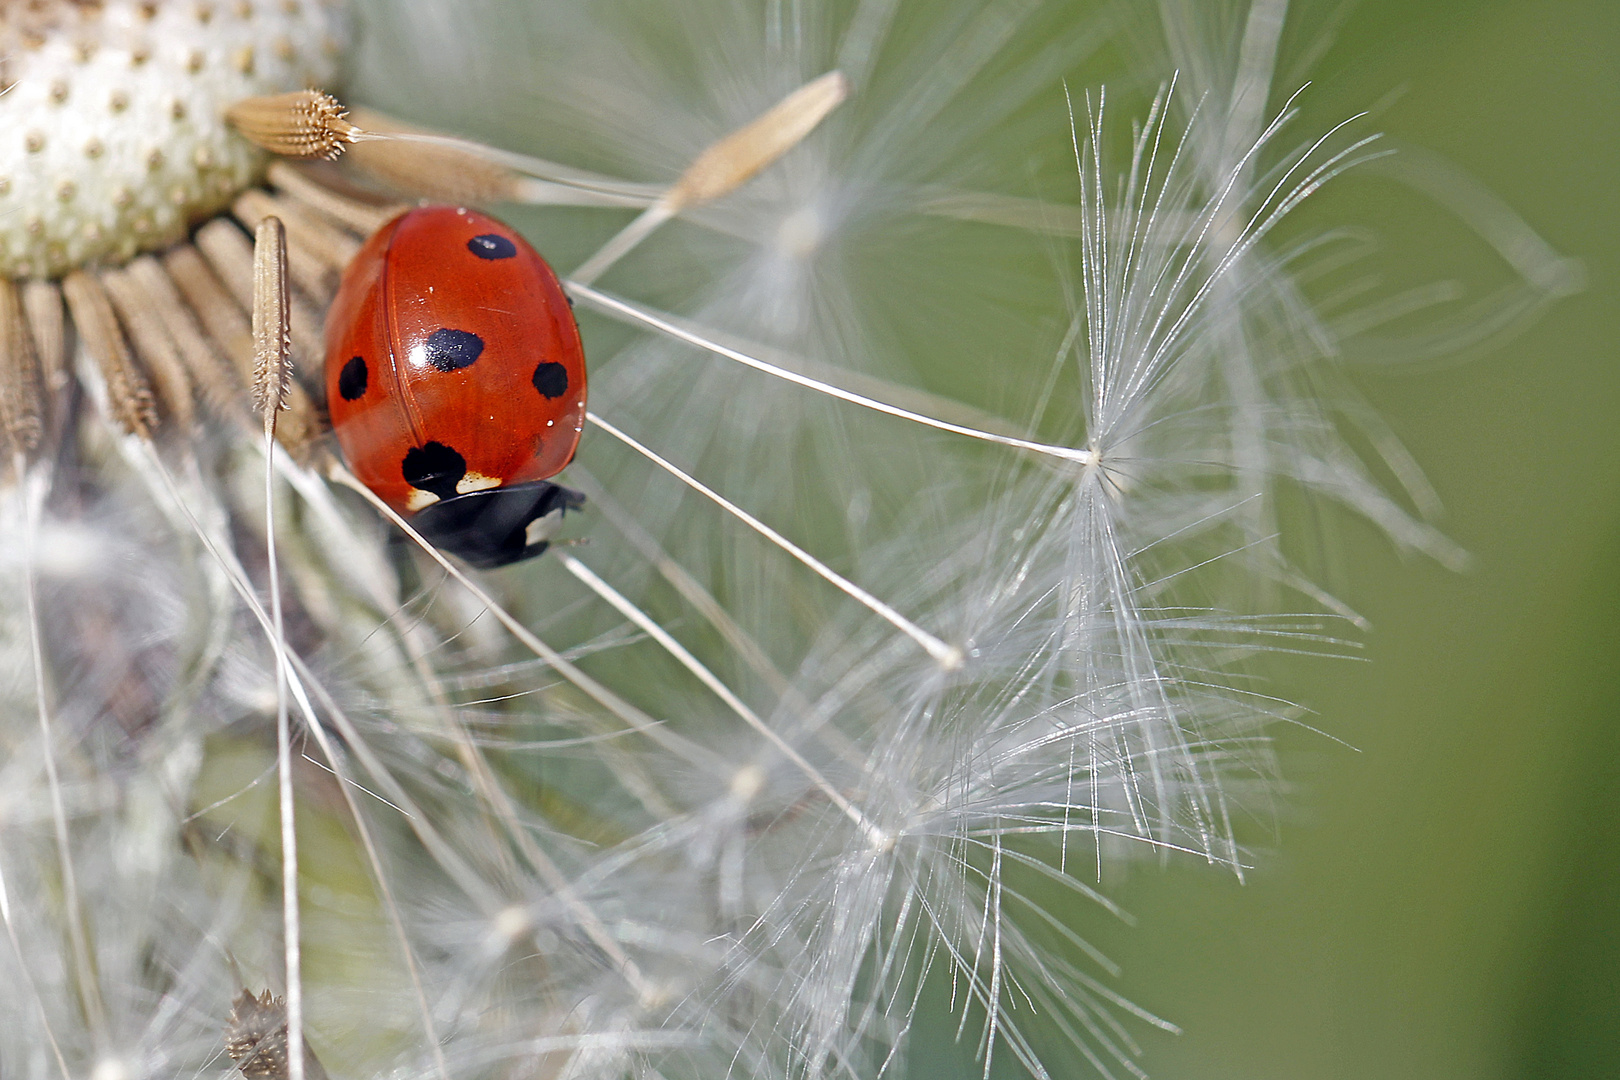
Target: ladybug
[(455, 380)]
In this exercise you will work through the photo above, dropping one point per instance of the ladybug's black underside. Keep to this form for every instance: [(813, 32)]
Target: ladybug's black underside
[(490, 528)]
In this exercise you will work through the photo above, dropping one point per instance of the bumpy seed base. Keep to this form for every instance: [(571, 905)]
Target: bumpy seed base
[(112, 137)]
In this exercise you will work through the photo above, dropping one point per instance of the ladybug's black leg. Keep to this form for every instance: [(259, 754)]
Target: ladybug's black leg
[(499, 525)]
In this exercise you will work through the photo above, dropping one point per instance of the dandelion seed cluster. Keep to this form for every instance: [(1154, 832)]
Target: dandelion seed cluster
[(840, 689)]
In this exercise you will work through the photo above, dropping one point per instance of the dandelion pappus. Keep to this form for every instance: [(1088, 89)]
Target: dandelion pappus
[(456, 381)]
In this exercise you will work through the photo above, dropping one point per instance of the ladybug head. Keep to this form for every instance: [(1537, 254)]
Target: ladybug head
[(497, 525)]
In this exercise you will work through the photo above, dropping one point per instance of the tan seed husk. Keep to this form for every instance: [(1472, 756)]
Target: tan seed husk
[(205, 361), (316, 252), (153, 347), (299, 427), (334, 245), (229, 251), (42, 301), (433, 171), (272, 374), (216, 309), (20, 405), (353, 213), (303, 124), (731, 161), (129, 396)]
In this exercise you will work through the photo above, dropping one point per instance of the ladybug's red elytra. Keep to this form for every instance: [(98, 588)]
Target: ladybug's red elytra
[(455, 380)]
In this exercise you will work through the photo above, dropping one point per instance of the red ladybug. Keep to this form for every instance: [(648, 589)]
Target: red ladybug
[(456, 381)]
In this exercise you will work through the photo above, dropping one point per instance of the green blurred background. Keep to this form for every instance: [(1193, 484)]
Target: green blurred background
[(1443, 901)]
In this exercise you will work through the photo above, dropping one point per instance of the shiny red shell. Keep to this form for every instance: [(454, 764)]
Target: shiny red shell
[(453, 363)]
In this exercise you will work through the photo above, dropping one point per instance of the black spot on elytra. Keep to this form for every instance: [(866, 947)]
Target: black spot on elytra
[(352, 379), (434, 467), (551, 380), (452, 350), (492, 246)]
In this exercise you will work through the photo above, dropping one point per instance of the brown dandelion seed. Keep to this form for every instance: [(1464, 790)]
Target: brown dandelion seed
[(272, 339), (152, 345), (737, 157), (223, 318), (129, 396), (256, 1039), (357, 212), (230, 252), (305, 124), (316, 252), (215, 307), (42, 301), (204, 362), (442, 171), (20, 423)]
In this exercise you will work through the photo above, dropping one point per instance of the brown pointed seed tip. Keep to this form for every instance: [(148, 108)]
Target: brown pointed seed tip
[(256, 1039), (272, 338), (304, 124), (734, 159)]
